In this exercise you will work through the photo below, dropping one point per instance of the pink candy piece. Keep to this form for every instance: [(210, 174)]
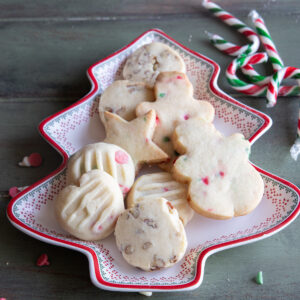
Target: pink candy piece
[(13, 192), (157, 120), (222, 174), (100, 227), (166, 189), (124, 189), (43, 260), (186, 117), (205, 180), (179, 77), (121, 157)]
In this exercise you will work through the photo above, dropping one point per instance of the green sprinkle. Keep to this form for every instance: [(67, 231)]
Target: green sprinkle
[(185, 158), (145, 119), (161, 95), (259, 278), (166, 139)]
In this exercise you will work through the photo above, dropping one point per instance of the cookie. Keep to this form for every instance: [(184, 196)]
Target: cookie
[(174, 105), (222, 182), (148, 61), (135, 137), (161, 185), (150, 235), (90, 211), (105, 157), (122, 97)]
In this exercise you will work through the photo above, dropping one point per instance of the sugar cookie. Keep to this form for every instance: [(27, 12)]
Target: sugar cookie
[(148, 61), (222, 182), (122, 97), (105, 157), (174, 105), (135, 137), (150, 235), (90, 211), (161, 185)]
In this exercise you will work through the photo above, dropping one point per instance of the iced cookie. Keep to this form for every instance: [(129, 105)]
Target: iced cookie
[(135, 137), (222, 182), (161, 185), (90, 211), (150, 235), (122, 97), (148, 61), (105, 157), (174, 105)]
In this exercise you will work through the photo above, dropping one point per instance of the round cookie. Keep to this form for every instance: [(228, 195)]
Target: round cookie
[(148, 61), (90, 211), (105, 157), (122, 97), (150, 235), (156, 185)]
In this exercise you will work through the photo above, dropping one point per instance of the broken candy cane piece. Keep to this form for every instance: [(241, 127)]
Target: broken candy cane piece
[(14, 191), (33, 160), (43, 260), (259, 278), (148, 294)]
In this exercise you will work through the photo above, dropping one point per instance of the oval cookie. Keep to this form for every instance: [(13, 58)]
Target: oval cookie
[(148, 61), (90, 211), (105, 157), (122, 97), (142, 233), (152, 186)]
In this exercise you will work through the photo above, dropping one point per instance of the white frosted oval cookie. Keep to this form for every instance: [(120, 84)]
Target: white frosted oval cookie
[(90, 211), (105, 157), (122, 97), (150, 235), (148, 61), (222, 182), (161, 185)]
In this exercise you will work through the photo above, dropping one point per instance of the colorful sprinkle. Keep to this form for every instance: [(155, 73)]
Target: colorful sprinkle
[(186, 117), (179, 77), (147, 140), (121, 157), (43, 260), (100, 227), (157, 121), (170, 205), (205, 180), (174, 161), (259, 278), (185, 158), (166, 189), (145, 119), (221, 173), (166, 139), (161, 95), (210, 210)]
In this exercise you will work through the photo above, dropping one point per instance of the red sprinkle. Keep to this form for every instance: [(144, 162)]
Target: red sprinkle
[(174, 161), (121, 157), (222, 174), (166, 189), (35, 159), (179, 77), (186, 117), (147, 140), (206, 180), (43, 260), (210, 209), (157, 121), (100, 227), (13, 192)]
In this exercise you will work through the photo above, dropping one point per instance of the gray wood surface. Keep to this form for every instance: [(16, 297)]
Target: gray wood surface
[(45, 50)]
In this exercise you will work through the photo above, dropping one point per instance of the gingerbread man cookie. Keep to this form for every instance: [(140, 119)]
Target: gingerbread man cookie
[(174, 104), (222, 182), (135, 137), (148, 61), (122, 97)]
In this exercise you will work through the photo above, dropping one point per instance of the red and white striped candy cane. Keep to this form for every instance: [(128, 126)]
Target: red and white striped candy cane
[(274, 84), (223, 45)]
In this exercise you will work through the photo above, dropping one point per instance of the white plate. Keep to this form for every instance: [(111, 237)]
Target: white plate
[(67, 131)]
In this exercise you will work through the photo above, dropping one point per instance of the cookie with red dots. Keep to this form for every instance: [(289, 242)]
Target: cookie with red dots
[(222, 182), (90, 210), (148, 61), (104, 157), (174, 105)]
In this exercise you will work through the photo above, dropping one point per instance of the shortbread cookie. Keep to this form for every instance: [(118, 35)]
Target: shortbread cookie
[(135, 137), (174, 104), (161, 185), (122, 97), (148, 61), (150, 235), (222, 182), (105, 157), (90, 211)]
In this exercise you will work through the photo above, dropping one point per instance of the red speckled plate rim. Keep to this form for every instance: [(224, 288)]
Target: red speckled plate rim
[(94, 266)]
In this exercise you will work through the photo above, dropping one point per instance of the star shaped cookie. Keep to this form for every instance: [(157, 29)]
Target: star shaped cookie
[(174, 105), (135, 137)]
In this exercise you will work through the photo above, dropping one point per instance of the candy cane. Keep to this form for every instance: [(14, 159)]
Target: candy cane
[(223, 45), (273, 87)]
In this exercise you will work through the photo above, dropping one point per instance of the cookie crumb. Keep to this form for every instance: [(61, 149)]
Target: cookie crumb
[(259, 278), (42, 260)]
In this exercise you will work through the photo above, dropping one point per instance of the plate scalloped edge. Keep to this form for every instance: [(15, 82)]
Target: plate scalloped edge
[(95, 274)]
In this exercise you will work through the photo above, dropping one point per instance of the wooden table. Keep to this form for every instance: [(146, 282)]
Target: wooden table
[(45, 49)]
